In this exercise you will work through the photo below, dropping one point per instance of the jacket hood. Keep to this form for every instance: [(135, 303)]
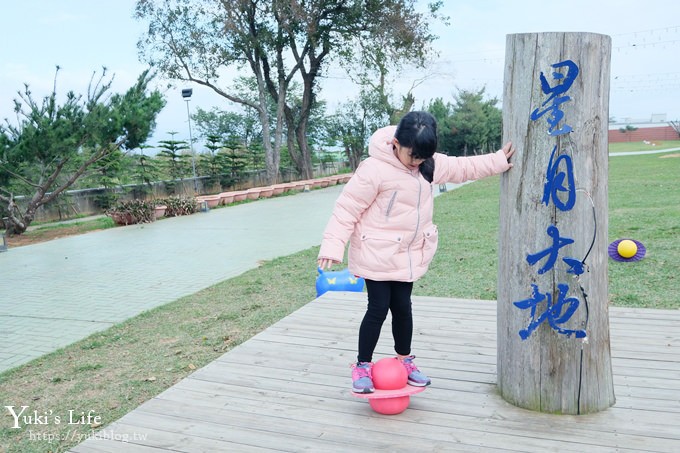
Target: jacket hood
[(380, 147)]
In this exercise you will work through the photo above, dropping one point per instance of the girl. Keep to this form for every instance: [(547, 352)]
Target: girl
[(385, 211)]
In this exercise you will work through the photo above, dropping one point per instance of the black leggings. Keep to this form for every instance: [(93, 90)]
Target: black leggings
[(384, 296)]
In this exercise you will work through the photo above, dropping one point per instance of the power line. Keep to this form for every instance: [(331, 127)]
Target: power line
[(640, 39), (647, 44), (649, 38), (673, 27)]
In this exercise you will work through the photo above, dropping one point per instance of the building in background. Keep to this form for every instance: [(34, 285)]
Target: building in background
[(656, 128)]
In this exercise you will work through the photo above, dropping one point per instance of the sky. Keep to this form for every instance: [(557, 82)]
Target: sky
[(82, 36)]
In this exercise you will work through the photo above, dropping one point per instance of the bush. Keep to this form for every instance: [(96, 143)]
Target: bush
[(131, 212), (178, 206)]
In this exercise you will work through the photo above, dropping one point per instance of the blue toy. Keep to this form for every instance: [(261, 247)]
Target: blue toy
[(338, 281)]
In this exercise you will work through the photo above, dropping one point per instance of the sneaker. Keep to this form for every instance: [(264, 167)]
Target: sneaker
[(362, 381), (415, 376)]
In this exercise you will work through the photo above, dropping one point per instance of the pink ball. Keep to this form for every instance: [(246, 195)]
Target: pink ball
[(390, 406), (389, 374)]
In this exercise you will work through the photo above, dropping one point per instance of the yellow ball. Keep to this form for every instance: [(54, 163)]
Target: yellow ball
[(627, 248)]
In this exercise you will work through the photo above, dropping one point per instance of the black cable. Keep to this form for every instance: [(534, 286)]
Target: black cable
[(583, 291)]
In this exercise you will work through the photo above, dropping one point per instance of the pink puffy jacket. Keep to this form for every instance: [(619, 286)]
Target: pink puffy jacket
[(385, 211)]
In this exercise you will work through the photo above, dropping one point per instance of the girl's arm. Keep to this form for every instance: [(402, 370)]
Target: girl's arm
[(356, 197), (460, 169)]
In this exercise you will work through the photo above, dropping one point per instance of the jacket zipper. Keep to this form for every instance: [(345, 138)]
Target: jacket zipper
[(415, 235), (390, 205)]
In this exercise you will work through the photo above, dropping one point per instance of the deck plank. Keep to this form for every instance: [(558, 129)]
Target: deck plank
[(287, 389)]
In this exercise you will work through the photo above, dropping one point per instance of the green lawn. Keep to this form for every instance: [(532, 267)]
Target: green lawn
[(644, 204), (626, 147), (113, 372)]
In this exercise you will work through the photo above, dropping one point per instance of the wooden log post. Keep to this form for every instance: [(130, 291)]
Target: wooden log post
[(553, 325)]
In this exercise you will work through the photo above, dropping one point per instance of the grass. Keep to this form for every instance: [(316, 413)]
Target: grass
[(644, 204), (82, 225), (625, 147), (466, 260), (113, 372)]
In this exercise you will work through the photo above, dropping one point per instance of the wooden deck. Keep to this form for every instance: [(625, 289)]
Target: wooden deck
[(287, 389)]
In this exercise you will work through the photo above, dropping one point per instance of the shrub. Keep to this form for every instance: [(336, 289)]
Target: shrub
[(131, 212), (178, 206)]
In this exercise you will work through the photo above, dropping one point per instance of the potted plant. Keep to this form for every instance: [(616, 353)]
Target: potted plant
[(159, 210), (132, 211), (177, 206)]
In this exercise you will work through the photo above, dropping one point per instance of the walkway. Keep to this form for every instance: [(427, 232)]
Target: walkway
[(639, 153), (56, 293), (297, 396)]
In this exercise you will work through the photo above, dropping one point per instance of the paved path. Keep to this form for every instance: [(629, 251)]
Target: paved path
[(58, 292), (55, 293), (638, 153)]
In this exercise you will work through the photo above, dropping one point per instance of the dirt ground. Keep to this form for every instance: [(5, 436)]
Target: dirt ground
[(43, 236)]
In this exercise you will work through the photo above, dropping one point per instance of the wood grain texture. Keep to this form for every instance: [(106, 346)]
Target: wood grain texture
[(550, 371)]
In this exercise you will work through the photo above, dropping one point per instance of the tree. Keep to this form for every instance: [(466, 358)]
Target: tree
[(279, 41), (234, 161), (473, 125), (145, 171), (107, 173), (375, 107), (173, 159), (627, 130), (212, 162), (443, 113), (52, 145), (194, 40), (231, 127), (353, 124), (676, 126)]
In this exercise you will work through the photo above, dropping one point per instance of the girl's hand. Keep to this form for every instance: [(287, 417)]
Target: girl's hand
[(508, 150), (326, 263)]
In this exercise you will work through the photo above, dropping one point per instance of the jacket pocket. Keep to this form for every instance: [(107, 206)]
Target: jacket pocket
[(379, 250), (430, 241)]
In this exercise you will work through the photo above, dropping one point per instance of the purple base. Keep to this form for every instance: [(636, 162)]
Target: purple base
[(614, 252)]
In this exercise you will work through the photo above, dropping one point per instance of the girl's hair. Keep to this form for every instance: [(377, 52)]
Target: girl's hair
[(418, 131)]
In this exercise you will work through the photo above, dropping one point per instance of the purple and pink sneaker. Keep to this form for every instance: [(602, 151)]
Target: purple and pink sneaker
[(362, 381), (415, 376)]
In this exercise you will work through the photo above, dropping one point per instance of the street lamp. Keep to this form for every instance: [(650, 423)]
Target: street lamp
[(186, 94)]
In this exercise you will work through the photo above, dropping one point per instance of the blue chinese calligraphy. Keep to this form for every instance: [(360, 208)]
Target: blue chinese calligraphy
[(576, 267), (555, 314), (557, 97), (560, 189), (555, 180), (551, 252)]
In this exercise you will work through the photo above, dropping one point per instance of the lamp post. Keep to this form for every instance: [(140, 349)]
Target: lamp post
[(186, 94)]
